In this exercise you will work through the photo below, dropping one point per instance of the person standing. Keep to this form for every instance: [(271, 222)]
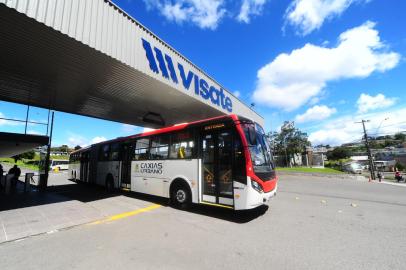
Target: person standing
[(379, 176), (16, 172)]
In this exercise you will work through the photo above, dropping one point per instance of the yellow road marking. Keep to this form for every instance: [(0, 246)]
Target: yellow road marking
[(126, 214), (218, 205)]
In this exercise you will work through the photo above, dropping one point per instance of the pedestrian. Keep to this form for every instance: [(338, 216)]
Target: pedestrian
[(398, 176), (16, 172), (380, 176)]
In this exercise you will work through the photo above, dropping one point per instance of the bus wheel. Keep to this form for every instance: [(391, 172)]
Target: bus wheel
[(180, 196), (109, 183)]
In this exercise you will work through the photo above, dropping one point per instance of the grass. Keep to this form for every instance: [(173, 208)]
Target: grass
[(20, 163), (31, 164), (310, 170)]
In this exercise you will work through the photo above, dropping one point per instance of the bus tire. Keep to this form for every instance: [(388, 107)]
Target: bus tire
[(181, 196), (109, 183)]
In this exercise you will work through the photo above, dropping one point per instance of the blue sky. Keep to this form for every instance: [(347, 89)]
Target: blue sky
[(324, 64)]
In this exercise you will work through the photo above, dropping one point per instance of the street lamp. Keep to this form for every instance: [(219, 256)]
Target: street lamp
[(377, 130)]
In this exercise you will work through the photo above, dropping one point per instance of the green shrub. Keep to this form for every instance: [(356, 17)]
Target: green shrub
[(400, 166)]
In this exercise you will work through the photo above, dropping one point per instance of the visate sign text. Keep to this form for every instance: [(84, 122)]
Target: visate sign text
[(201, 86)]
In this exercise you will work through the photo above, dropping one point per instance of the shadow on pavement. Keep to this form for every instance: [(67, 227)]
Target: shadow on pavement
[(242, 216), (53, 194), (87, 193)]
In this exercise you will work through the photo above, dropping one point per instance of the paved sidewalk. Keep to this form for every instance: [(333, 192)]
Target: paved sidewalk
[(62, 206), (392, 183)]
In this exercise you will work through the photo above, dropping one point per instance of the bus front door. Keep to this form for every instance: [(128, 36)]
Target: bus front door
[(127, 151), (217, 186)]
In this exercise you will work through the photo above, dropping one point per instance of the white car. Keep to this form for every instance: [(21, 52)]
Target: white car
[(353, 167)]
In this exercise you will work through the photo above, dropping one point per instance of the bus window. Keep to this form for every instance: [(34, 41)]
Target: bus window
[(159, 147), (182, 145), (115, 152), (239, 161), (104, 152), (141, 149)]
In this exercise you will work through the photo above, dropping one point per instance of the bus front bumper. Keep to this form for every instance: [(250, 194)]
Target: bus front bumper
[(258, 199)]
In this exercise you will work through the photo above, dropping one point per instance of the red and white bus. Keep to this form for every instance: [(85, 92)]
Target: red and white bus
[(223, 161)]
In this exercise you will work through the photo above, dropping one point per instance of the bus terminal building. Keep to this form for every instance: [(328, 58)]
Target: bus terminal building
[(91, 58)]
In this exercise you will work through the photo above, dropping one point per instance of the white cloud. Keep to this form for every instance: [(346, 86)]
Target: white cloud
[(129, 129), (206, 14), (4, 122), (291, 80), (315, 113), (34, 132), (309, 15), (237, 93), (250, 8), (367, 103), (76, 139), (98, 139), (345, 129)]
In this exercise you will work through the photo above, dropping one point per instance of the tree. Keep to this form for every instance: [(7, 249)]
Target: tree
[(400, 136), (338, 153), (26, 155), (290, 141), (77, 147)]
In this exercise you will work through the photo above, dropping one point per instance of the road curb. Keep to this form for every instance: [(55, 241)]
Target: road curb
[(325, 175)]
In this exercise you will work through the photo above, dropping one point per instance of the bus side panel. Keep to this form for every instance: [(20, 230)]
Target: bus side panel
[(158, 182), (105, 168), (93, 163), (241, 192), (149, 177), (187, 169)]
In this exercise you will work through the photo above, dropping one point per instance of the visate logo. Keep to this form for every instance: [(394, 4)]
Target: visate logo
[(166, 66)]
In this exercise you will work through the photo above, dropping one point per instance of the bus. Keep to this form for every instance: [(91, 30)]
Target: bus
[(60, 164), (223, 161), (55, 164)]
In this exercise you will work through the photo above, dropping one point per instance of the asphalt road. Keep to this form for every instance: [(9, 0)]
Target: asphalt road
[(311, 224)]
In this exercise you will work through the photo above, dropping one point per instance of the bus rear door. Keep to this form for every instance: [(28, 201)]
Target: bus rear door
[(127, 154)]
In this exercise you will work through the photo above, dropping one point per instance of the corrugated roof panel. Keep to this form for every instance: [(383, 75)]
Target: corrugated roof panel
[(86, 22), (73, 18), (32, 8), (59, 7), (93, 24), (22, 6), (101, 25), (49, 13), (80, 20), (66, 16)]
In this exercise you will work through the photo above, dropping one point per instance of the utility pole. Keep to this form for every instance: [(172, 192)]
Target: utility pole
[(371, 162), (47, 158)]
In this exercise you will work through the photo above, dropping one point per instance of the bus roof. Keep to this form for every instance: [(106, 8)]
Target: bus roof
[(175, 127)]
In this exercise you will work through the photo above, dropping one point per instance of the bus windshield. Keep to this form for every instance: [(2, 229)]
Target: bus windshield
[(259, 149)]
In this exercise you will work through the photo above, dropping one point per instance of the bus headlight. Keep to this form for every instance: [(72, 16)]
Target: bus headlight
[(256, 186)]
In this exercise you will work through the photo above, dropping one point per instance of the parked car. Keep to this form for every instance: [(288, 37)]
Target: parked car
[(352, 167)]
